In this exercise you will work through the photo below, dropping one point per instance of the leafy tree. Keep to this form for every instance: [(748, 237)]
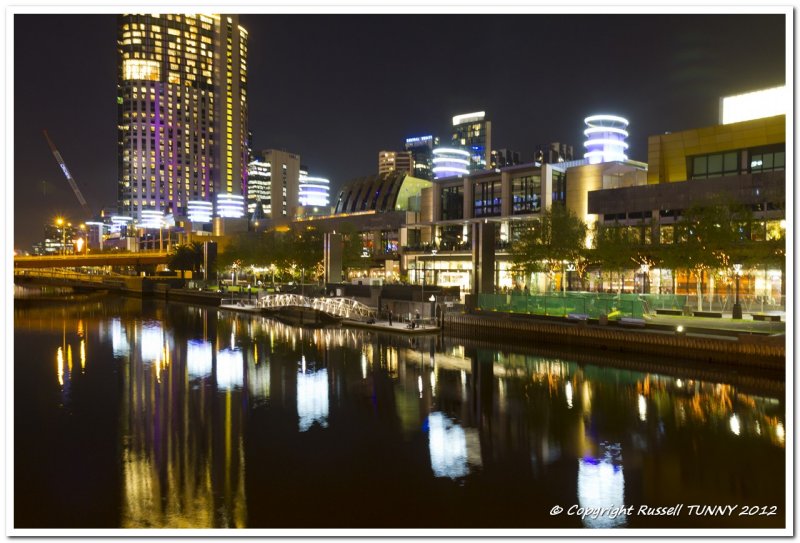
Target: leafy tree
[(545, 245), (352, 249), (186, 257), (612, 248), (709, 232)]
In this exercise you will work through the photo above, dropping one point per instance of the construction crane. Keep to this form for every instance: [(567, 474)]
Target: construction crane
[(69, 177)]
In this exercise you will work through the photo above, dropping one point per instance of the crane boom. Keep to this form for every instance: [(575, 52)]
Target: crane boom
[(69, 177)]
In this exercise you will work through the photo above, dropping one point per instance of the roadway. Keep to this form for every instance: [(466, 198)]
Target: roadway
[(97, 259)]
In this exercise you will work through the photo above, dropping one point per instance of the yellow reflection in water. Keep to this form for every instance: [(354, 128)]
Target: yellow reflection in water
[(83, 355), (60, 366)]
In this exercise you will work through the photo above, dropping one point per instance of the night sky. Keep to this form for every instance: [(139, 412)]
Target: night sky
[(338, 88)]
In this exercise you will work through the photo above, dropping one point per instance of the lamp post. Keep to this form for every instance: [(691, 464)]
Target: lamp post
[(645, 269), (60, 226), (737, 307), (570, 269)]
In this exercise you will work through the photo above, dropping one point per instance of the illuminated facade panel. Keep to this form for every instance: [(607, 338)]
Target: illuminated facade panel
[(182, 111), (754, 105)]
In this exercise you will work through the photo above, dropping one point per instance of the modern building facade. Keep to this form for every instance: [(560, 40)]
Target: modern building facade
[(466, 223), (259, 190), (472, 132), (553, 152), (742, 163), (500, 158), (182, 111), (282, 188), (421, 148), (395, 161)]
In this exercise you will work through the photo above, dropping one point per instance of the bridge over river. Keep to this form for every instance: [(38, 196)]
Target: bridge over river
[(345, 308)]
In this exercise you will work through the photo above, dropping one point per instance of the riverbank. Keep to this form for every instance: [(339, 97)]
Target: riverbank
[(743, 350)]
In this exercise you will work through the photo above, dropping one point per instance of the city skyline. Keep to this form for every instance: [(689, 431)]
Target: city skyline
[(337, 115)]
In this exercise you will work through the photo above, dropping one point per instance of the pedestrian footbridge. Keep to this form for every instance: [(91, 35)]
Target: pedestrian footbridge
[(345, 308)]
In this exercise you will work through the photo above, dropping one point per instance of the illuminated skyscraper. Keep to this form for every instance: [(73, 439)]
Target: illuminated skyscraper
[(473, 133), (281, 171), (400, 161), (182, 111), (421, 148)]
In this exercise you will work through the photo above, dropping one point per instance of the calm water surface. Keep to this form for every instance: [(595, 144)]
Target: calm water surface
[(132, 413)]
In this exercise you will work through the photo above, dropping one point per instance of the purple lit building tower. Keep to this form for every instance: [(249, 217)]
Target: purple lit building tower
[(182, 120)]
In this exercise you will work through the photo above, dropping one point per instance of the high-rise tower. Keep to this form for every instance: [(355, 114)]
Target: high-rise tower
[(473, 132), (182, 111)]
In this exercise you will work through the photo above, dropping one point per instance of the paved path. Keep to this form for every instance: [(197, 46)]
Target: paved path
[(725, 323)]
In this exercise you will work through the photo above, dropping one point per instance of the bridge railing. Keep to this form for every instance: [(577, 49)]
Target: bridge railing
[(341, 307)]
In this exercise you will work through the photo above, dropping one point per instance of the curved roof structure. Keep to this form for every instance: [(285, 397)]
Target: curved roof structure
[(381, 192)]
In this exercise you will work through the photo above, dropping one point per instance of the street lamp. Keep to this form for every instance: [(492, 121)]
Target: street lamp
[(737, 307), (570, 268), (645, 269), (60, 226)]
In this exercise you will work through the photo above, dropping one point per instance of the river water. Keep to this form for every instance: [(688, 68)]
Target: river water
[(131, 413)]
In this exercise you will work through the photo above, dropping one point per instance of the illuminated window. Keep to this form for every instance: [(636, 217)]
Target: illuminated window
[(141, 70)]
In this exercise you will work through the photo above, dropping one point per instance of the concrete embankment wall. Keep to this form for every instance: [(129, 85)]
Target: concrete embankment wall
[(747, 351)]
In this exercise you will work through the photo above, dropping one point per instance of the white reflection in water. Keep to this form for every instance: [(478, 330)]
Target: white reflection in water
[(568, 393), (258, 380), (642, 408), (119, 340), (780, 433), (452, 448), (230, 369), (312, 399), (736, 426), (601, 483), (198, 358), (151, 341)]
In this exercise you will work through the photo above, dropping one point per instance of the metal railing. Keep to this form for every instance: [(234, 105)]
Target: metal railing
[(341, 307)]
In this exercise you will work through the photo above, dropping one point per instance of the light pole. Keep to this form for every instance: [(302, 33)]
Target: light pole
[(60, 226), (645, 269), (737, 307), (570, 268)]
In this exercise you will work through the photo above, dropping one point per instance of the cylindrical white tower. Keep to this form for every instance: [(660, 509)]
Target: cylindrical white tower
[(605, 138), (449, 162), (314, 191)]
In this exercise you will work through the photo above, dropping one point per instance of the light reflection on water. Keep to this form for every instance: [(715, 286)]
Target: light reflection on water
[(207, 397)]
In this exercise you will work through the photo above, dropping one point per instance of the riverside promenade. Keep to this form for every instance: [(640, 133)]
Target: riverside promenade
[(721, 341)]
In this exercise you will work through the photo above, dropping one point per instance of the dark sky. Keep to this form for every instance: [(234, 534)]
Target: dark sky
[(338, 88)]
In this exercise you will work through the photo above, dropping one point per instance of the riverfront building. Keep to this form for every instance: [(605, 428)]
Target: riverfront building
[(182, 111), (742, 162)]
